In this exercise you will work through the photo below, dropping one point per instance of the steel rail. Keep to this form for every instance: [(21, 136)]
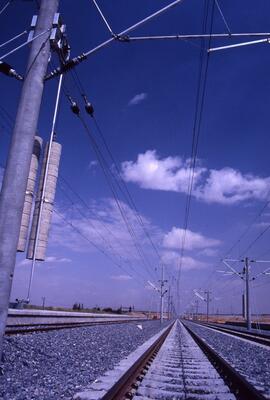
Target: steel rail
[(124, 387), (240, 387), (252, 336), (26, 329)]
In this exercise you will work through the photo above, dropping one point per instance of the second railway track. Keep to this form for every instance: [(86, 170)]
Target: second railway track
[(252, 336), (29, 321), (26, 329)]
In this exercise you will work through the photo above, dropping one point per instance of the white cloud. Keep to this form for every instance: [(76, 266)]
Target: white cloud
[(105, 228), (121, 277), (209, 252), (172, 258), (224, 186), (193, 240), (151, 172), (92, 165), (138, 98), (229, 186)]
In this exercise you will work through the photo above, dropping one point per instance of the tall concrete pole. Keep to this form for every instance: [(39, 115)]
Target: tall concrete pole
[(161, 294), (248, 317), (19, 158), (169, 303), (207, 304), (197, 309)]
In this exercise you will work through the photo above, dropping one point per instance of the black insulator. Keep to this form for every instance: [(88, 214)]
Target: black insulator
[(5, 68), (89, 108), (75, 108), (9, 71)]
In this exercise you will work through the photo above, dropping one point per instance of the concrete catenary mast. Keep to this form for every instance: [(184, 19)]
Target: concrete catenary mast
[(20, 153)]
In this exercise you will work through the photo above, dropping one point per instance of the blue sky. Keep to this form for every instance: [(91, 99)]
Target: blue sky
[(144, 97)]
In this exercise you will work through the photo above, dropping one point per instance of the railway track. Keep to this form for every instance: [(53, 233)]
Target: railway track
[(177, 365), (29, 321), (26, 329), (252, 336)]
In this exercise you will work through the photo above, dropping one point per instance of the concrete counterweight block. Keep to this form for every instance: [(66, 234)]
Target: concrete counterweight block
[(28, 202), (48, 200)]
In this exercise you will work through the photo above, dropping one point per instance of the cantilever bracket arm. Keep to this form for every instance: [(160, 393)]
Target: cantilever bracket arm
[(265, 272), (122, 37), (232, 269), (114, 37), (267, 40), (198, 36)]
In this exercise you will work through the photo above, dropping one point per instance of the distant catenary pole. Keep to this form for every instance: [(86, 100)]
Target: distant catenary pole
[(248, 316), (207, 304), (19, 157), (161, 294)]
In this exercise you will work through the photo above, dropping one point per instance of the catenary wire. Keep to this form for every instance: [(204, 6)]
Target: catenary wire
[(110, 183), (247, 229), (255, 240), (103, 17), (200, 100), (222, 16), (94, 245), (23, 44), (5, 6), (9, 118), (104, 240), (13, 38), (238, 241), (107, 173), (125, 192)]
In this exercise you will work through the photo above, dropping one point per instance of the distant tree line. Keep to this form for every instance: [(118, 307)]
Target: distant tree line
[(79, 307)]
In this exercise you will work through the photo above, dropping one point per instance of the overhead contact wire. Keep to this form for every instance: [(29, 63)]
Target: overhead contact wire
[(200, 99), (102, 162), (125, 192)]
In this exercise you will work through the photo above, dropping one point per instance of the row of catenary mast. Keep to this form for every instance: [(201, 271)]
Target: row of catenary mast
[(31, 211)]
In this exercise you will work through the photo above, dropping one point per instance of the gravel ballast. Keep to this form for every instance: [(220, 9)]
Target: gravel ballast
[(56, 364), (251, 360)]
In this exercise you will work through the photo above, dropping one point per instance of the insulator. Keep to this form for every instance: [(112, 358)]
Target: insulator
[(47, 208), (89, 108), (75, 108), (6, 69), (28, 201)]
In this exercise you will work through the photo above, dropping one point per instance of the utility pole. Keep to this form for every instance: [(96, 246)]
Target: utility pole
[(197, 308), (43, 302), (246, 272), (207, 292), (19, 157), (245, 275), (169, 303), (162, 293)]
